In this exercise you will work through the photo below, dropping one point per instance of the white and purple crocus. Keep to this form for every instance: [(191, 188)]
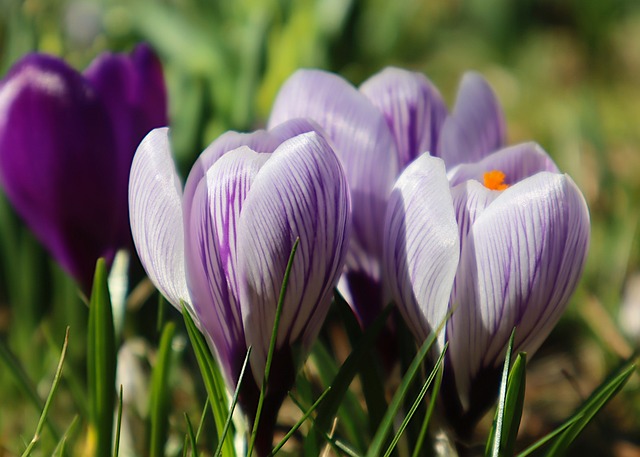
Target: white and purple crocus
[(67, 140), (501, 243), (222, 245), (377, 130)]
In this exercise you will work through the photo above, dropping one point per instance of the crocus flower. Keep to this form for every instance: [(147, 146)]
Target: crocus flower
[(501, 243), (66, 144), (395, 116), (223, 244)]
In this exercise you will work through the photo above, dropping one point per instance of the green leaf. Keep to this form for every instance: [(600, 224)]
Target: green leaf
[(503, 434), (116, 447), (419, 444), (416, 403), (380, 437), (348, 370), (301, 421), (101, 363), (191, 438), (272, 346), (213, 381), (161, 393), (598, 399), (43, 417), (234, 402)]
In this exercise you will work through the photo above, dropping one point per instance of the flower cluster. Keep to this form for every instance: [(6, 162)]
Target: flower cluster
[(392, 197)]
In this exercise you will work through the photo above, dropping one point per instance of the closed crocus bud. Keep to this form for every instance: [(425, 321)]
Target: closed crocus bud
[(501, 243), (66, 144), (222, 245), (376, 131)]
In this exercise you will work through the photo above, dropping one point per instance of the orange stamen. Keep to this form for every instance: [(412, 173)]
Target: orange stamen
[(494, 180)]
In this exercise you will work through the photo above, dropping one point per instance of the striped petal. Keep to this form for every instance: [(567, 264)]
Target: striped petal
[(476, 127), (363, 142), (155, 213), (300, 192), (421, 245), (516, 162), (211, 253), (519, 265), (412, 107)]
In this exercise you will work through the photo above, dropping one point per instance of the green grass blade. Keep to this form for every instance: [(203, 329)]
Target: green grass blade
[(272, 346), (213, 381), (101, 363), (416, 403), (348, 370), (116, 446), (338, 447), (598, 399), (234, 402), (191, 438), (202, 419), (61, 447), (380, 437), (419, 444), (506, 422), (160, 393), (299, 423), (547, 438), (47, 405)]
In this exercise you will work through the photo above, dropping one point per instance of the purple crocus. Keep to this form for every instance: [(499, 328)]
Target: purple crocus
[(501, 243), (395, 116), (66, 144), (223, 244)]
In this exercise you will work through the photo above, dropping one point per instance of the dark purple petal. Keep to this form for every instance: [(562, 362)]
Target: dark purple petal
[(155, 207), (56, 162), (421, 245), (132, 88), (363, 142), (519, 265), (300, 192), (516, 162), (412, 107), (212, 250), (476, 127)]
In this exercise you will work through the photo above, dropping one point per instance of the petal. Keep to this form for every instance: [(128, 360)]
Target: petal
[(259, 141), (155, 211), (521, 262), (421, 245), (55, 162), (300, 192), (211, 256), (362, 140), (412, 107), (132, 88), (476, 127), (516, 162)]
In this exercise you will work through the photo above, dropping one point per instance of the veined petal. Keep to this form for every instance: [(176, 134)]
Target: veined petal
[(412, 107), (259, 141), (476, 127), (521, 262), (516, 162), (300, 192), (361, 139), (155, 210), (421, 245), (55, 148), (212, 252)]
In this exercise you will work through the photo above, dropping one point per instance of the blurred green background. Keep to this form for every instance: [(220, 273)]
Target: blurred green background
[(566, 72)]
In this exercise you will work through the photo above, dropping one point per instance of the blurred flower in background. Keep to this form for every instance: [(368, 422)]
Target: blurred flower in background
[(66, 144), (223, 245)]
